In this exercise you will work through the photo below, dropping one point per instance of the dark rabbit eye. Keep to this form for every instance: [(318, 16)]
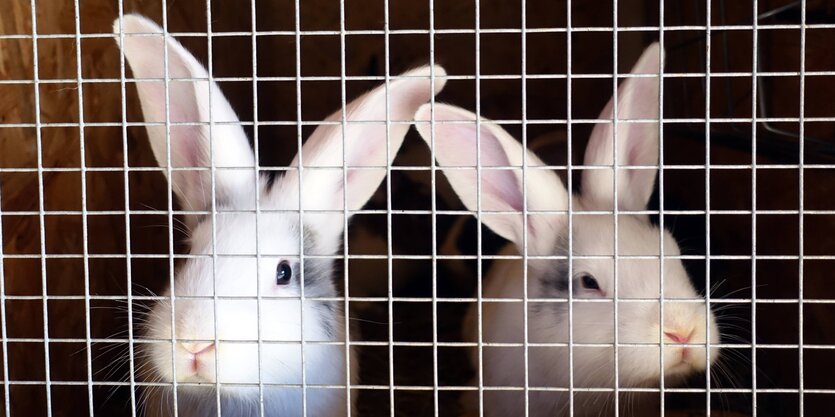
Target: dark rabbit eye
[(589, 282), (283, 273)]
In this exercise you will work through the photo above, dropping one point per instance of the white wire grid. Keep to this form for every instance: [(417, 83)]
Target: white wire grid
[(390, 299)]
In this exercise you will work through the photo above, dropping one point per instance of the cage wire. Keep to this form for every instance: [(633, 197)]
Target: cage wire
[(81, 274)]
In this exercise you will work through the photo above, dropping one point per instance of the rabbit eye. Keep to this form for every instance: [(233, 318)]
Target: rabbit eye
[(589, 282), (283, 273)]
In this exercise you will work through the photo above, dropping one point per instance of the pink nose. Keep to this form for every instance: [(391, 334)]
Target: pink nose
[(679, 337), (198, 348)]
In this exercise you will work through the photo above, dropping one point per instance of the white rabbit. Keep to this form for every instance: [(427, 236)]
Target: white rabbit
[(278, 234), (685, 323)]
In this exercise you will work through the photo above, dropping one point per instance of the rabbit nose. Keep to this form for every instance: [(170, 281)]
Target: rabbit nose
[(679, 336), (197, 348)]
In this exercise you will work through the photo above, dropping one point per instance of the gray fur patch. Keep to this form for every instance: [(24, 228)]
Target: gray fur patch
[(553, 275), (554, 279), (318, 276)]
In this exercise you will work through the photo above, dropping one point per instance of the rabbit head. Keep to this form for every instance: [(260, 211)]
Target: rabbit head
[(506, 191), (212, 171)]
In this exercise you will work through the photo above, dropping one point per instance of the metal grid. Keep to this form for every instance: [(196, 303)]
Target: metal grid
[(131, 341)]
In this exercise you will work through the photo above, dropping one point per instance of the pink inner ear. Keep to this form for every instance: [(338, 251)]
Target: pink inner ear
[(504, 186), (185, 147), (458, 149), (501, 183), (633, 153), (182, 107)]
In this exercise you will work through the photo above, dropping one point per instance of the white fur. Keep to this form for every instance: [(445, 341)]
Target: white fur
[(546, 234), (238, 321)]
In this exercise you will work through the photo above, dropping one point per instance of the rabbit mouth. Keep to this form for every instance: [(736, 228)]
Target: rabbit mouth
[(686, 365), (195, 376), (197, 379), (680, 368)]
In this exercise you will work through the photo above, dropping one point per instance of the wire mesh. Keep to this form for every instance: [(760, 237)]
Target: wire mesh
[(392, 312)]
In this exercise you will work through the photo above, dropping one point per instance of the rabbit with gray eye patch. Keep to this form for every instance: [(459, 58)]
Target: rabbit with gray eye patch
[(687, 324), (216, 341)]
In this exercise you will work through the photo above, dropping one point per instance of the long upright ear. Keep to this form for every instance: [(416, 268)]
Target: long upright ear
[(637, 143), (188, 101), (375, 126), (501, 160)]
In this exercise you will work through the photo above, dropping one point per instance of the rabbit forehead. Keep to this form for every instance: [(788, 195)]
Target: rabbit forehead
[(637, 277), (235, 234), (237, 270), (594, 234)]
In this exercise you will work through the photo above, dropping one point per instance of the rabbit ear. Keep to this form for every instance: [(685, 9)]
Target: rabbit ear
[(375, 126), (501, 189), (637, 143), (188, 101)]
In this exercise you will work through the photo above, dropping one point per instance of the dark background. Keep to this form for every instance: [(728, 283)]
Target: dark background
[(734, 236)]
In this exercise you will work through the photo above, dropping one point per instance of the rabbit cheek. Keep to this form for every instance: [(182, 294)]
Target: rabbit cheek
[(238, 363), (639, 365)]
